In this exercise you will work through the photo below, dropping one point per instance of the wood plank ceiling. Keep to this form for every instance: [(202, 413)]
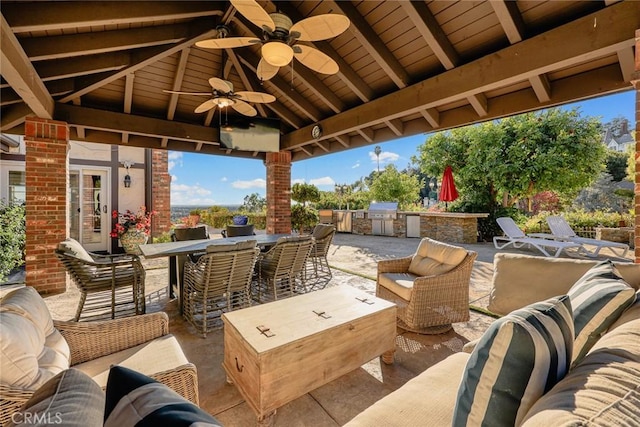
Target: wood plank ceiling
[(405, 67)]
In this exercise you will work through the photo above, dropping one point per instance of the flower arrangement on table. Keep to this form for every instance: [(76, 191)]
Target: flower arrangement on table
[(135, 221)]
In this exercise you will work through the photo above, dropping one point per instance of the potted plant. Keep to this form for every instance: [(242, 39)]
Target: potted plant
[(303, 218), (132, 228), (194, 217)]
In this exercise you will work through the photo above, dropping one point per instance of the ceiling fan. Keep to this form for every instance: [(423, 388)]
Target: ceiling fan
[(224, 96), (279, 38)]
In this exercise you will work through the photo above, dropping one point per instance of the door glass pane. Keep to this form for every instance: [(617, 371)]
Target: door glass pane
[(17, 187), (91, 210), (74, 206)]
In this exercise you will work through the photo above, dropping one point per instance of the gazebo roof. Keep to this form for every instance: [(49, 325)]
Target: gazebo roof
[(405, 68)]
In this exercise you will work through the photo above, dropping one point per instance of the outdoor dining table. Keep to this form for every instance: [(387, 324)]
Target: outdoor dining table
[(178, 252)]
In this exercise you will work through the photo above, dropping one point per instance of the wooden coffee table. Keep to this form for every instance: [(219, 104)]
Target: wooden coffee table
[(277, 352)]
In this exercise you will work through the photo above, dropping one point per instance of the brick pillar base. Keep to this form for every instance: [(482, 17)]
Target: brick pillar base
[(47, 170), (160, 192), (278, 192)]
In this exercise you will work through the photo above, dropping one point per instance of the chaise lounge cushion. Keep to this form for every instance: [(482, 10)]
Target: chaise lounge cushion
[(518, 359), (70, 398), (133, 399), (32, 350), (598, 299), (433, 258)]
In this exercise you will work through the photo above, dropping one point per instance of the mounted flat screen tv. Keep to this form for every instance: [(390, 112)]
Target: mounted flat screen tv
[(251, 134)]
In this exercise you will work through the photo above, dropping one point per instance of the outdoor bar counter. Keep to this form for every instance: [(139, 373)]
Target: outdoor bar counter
[(452, 227)]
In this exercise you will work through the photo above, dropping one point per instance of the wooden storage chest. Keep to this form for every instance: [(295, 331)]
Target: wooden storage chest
[(277, 352)]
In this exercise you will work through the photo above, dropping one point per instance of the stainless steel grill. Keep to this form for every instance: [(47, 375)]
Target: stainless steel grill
[(383, 210), (382, 215)]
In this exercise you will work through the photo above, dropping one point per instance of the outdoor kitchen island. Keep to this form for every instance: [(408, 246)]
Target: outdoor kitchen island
[(451, 227)]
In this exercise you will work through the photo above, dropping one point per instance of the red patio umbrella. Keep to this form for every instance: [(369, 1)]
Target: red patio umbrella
[(448, 192)]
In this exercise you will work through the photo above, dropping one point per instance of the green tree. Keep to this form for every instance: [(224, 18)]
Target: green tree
[(305, 193), (12, 237), (631, 162), (616, 163), (254, 203), (392, 185), (503, 162)]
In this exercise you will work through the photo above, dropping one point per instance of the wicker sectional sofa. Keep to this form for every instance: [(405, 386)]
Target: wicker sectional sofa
[(34, 349), (601, 388)]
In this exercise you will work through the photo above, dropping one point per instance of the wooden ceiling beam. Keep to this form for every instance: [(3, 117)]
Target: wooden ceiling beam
[(73, 14), (72, 45), (55, 88), (83, 65), (396, 126), (549, 51), (510, 18), (14, 115), (18, 71), (177, 82), (246, 81), (375, 47), (135, 125), (367, 133), (431, 31), (128, 93), (432, 115), (479, 103), (541, 87), (626, 59), (201, 32)]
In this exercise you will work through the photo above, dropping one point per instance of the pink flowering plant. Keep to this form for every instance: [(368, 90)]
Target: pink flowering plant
[(129, 220)]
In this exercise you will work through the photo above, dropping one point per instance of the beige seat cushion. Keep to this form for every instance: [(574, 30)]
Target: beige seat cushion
[(32, 351), (74, 248), (520, 280), (426, 400), (433, 258), (602, 390), (161, 354), (400, 284)]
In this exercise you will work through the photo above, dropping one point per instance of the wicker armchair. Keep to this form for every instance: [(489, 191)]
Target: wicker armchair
[(113, 281), (317, 270), (218, 281), (428, 304), (279, 268), (92, 340)]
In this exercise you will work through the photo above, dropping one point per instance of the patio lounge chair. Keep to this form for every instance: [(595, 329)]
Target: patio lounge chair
[(562, 231), (513, 235)]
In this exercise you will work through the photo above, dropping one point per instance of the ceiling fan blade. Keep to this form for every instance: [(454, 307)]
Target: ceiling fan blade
[(188, 93), (321, 27), (221, 85), (254, 12), (205, 106), (244, 108), (257, 97), (266, 71), (227, 43), (312, 58)]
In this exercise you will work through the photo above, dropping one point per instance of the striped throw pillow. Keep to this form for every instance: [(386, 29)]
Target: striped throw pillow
[(598, 298), (520, 357)]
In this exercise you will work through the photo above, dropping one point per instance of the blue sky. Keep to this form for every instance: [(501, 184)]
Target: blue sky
[(205, 180)]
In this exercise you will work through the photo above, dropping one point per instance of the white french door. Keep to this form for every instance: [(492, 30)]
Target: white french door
[(89, 207)]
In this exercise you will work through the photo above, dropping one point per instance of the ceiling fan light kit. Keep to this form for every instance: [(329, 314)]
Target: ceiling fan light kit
[(280, 34)]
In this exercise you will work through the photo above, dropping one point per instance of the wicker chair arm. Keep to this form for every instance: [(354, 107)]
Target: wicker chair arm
[(396, 265), (182, 379), (11, 400), (91, 340), (457, 275)]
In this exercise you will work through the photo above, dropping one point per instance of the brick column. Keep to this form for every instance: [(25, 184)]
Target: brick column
[(635, 80), (278, 192), (160, 192), (47, 171)]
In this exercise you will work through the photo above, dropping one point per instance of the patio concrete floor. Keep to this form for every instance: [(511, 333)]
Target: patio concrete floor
[(353, 259)]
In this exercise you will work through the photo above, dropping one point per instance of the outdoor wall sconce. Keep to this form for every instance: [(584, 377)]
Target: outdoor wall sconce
[(127, 178)]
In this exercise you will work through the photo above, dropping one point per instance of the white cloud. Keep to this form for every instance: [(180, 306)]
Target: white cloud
[(322, 182), (175, 159), (357, 165), (385, 157), (182, 194), (224, 179), (297, 181), (174, 178), (254, 183)]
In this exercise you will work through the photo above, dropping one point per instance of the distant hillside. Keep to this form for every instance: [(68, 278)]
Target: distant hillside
[(178, 212)]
